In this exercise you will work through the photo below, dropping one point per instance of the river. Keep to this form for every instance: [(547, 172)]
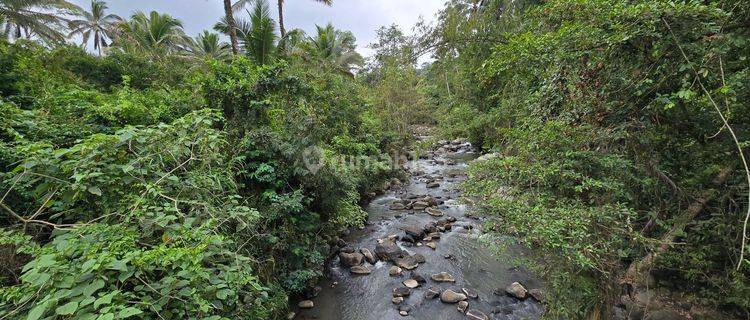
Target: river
[(459, 252)]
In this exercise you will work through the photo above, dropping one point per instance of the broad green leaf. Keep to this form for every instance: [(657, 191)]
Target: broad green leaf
[(128, 312), (67, 309)]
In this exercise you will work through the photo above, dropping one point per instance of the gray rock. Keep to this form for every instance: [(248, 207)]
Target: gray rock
[(407, 262), (394, 271), (462, 306), (516, 290), (306, 304), (420, 205), (388, 250), (450, 296), (350, 259), (432, 293), (443, 277), (414, 231), (401, 292), (397, 206), (397, 300), (420, 258), (411, 283), (470, 293), (432, 245), (359, 270), (434, 212), (368, 255), (418, 277), (433, 185)]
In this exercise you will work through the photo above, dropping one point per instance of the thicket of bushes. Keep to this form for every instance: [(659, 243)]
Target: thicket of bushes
[(606, 116), (172, 189)]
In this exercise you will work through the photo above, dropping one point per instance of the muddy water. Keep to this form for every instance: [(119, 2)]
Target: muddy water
[(350, 297)]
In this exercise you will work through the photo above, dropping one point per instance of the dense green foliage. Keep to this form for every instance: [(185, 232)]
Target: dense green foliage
[(166, 180), (605, 116)]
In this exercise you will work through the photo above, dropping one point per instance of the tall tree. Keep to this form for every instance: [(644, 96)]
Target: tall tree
[(208, 45), (259, 43), (153, 33), (280, 4), (40, 18), (232, 27), (96, 22), (335, 47)]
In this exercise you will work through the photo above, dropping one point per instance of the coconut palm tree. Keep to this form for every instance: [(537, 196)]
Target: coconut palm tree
[(260, 42), (207, 45), (257, 35), (95, 22), (35, 18), (154, 33), (280, 4), (335, 47)]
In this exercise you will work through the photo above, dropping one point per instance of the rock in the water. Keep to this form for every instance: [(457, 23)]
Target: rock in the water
[(433, 185), (443, 277), (368, 255), (462, 306), (388, 250), (418, 277), (432, 245), (515, 289), (411, 283), (360, 270), (306, 304), (350, 259), (397, 300), (397, 206), (476, 315), (403, 313), (401, 292), (394, 271), (432, 293), (470, 293), (419, 205), (419, 258), (414, 231), (434, 212), (347, 249), (450, 296), (538, 295), (408, 262)]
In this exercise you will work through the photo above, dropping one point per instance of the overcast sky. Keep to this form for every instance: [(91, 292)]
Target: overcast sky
[(362, 17)]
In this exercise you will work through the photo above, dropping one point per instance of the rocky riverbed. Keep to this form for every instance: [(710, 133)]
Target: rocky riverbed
[(420, 257)]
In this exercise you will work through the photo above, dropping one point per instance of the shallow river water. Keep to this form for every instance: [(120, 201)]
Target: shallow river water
[(472, 264)]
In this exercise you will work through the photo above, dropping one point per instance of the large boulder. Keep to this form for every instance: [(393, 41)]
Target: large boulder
[(414, 231), (360, 270), (350, 259), (407, 262), (450, 296), (388, 250), (516, 290), (368, 255)]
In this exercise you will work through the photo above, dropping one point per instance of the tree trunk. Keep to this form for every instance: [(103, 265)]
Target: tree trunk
[(232, 26), (638, 270), (282, 31)]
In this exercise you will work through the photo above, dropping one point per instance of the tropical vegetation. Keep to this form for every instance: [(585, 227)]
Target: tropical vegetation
[(160, 175)]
